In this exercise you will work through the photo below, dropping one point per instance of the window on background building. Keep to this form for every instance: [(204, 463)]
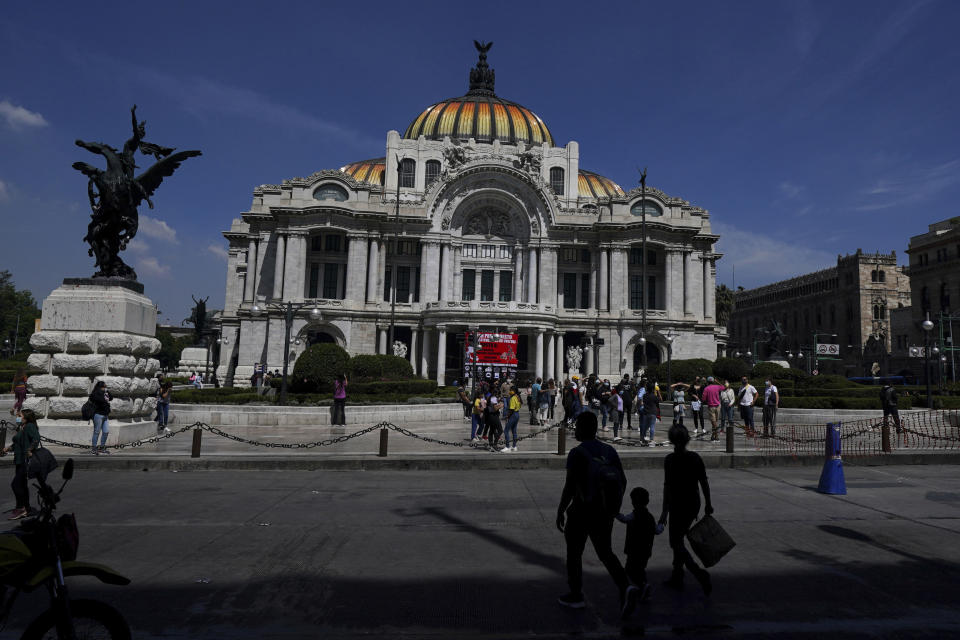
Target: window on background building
[(652, 209), (584, 290), (387, 278), (331, 280), (944, 297), (833, 317), (469, 251), (569, 254), (433, 170), (849, 312), (314, 280), (469, 284), (408, 170), (316, 243), (506, 286), (488, 250), (332, 243), (506, 251), (924, 299), (651, 292), (330, 192), (556, 180), (636, 292), (873, 276), (403, 284), (585, 256), (636, 255), (486, 285), (819, 318), (652, 258), (569, 291), (882, 276)]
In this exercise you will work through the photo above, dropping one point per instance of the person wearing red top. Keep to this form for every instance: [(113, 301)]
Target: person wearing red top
[(711, 396)]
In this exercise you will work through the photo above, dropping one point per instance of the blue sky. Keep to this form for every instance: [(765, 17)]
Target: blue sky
[(807, 129)]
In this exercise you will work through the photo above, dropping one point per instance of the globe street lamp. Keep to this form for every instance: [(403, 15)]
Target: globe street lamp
[(669, 337), (927, 326)]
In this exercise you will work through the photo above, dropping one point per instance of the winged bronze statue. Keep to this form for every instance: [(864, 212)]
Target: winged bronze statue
[(116, 193)]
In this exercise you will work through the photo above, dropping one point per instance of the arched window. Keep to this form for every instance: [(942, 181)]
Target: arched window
[(882, 276), (944, 297), (330, 192), (873, 276), (556, 180), (652, 209), (433, 170), (408, 169)]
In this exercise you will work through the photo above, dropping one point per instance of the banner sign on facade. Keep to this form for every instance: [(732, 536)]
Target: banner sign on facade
[(496, 357), (828, 349)]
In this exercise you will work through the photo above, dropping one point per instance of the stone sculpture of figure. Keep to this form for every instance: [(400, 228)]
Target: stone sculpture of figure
[(454, 155), (773, 336), (198, 318), (528, 161), (573, 359), (399, 349), (116, 193)]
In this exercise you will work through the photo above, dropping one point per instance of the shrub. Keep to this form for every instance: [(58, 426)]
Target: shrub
[(822, 402), (731, 369), (417, 385), (685, 370), (764, 370), (370, 368), (318, 366), (831, 381)]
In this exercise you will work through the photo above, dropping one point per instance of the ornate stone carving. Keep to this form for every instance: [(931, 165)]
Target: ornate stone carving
[(528, 161), (454, 155), (399, 349), (573, 358)]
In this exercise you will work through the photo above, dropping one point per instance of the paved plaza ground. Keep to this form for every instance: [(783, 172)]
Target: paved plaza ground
[(442, 554)]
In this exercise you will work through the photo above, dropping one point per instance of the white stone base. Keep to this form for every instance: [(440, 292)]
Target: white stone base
[(192, 360), (79, 432)]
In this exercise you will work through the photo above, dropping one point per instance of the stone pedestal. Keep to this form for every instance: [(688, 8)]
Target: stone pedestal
[(94, 330), (192, 360)]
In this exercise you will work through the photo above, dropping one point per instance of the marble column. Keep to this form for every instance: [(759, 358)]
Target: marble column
[(278, 266), (430, 272), (709, 291), (412, 355), (441, 356), (558, 360), (425, 354), (588, 360), (295, 267), (496, 285), (532, 275), (619, 280), (548, 276), (517, 294), (674, 285), (551, 355), (250, 287), (445, 277), (356, 267), (538, 370), (687, 283), (382, 275), (604, 278), (457, 274), (383, 340), (372, 270), (594, 280), (476, 283)]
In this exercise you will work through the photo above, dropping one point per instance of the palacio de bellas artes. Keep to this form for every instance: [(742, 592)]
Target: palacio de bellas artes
[(498, 228)]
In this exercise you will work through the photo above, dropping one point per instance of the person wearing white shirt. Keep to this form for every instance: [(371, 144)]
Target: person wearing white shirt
[(771, 399), (746, 398)]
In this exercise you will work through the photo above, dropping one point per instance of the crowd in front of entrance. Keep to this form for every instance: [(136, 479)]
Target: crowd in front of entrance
[(495, 404)]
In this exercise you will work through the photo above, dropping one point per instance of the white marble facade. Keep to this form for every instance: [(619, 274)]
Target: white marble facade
[(493, 234)]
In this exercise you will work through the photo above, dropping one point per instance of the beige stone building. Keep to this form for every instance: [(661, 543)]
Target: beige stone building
[(853, 300), (499, 228)]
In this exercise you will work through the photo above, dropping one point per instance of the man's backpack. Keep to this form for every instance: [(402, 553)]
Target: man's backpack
[(603, 487), (87, 410)]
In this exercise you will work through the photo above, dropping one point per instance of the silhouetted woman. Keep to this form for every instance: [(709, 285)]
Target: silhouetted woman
[(682, 471)]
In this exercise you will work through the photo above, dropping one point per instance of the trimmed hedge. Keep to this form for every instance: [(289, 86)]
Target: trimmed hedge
[(318, 366), (731, 369), (370, 368), (416, 385), (681, 370), (826, 402)]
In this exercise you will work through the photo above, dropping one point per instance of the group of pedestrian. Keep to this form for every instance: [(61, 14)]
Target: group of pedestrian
[(591, 501), (616, 404)]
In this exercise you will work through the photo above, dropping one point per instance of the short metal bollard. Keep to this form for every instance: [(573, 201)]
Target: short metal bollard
[(884, 436), (197, 435), (384, 435), (729, 439), (562, 440)]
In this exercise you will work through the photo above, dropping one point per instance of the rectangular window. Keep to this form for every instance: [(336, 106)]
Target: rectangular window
[(585, 256), (569, 291), (332, 243), (316, 243), (506, 286), (331, 280), (469, 284), (403, 284), (506, 251), (636, 255), (408, 169), (569, 254), (556, 180), (636, 292), (469, 251), (314, 279), (387, 275), (433, 170), (486, 285), (652, 258), (651, 292), (488, 250), (584, 290)]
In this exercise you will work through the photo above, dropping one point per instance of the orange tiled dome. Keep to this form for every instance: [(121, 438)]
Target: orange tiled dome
[(594, 185), (369, 171)]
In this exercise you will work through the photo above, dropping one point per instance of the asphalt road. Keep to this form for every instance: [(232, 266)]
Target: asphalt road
[(441, 554)]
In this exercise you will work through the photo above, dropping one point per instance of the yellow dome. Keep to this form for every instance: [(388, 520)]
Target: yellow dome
[(594, 185), (480, 114)]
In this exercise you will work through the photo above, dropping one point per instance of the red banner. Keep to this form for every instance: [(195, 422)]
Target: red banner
[(495, 348)]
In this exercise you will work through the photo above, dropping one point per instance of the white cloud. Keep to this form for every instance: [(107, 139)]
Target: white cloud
[(760, 259), (18, 117), (158, 229), (138, 246), (151, 267), (4, 191), (789, 190), (912, 185), (218, 251)]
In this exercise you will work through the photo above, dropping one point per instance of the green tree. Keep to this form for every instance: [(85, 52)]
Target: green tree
[(724, 304), (18, 311), (171, 348)]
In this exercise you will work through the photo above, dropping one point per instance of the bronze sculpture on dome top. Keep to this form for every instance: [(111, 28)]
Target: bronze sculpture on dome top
[(116, 193)]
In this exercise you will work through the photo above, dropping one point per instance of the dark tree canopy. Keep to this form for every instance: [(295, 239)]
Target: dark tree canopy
[(14, 304)]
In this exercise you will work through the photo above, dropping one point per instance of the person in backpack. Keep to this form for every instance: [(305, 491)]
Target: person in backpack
[(495, 427), (513, 418), (615, 408), (476, 416), (771, 400), (544, 400), (683, 471), (25, 442), (591, 498), (627, 392), (100, 397), (163, 406), (888, 400)]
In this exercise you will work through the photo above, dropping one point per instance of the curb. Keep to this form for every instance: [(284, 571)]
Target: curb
[(430, 462)]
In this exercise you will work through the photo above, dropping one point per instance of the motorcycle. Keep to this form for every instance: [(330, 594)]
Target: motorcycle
[(42, 552)]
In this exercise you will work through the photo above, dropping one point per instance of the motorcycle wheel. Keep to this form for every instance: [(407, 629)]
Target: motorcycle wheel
[(92, 620)]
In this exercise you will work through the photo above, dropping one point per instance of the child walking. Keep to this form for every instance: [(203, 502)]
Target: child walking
[(641, 528)]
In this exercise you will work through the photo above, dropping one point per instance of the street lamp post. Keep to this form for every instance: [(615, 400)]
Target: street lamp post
[(393, 269), (927, 326), (669, 337), (289, 310), (643, 267)]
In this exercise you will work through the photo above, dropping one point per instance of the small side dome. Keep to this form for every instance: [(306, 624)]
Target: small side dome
[(594, 185), (369, 171)]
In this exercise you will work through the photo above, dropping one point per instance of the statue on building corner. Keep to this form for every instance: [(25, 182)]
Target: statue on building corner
[(574, 357), (399, 349)]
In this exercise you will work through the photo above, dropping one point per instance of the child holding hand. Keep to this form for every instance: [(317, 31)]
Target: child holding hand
[(641, 528)]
